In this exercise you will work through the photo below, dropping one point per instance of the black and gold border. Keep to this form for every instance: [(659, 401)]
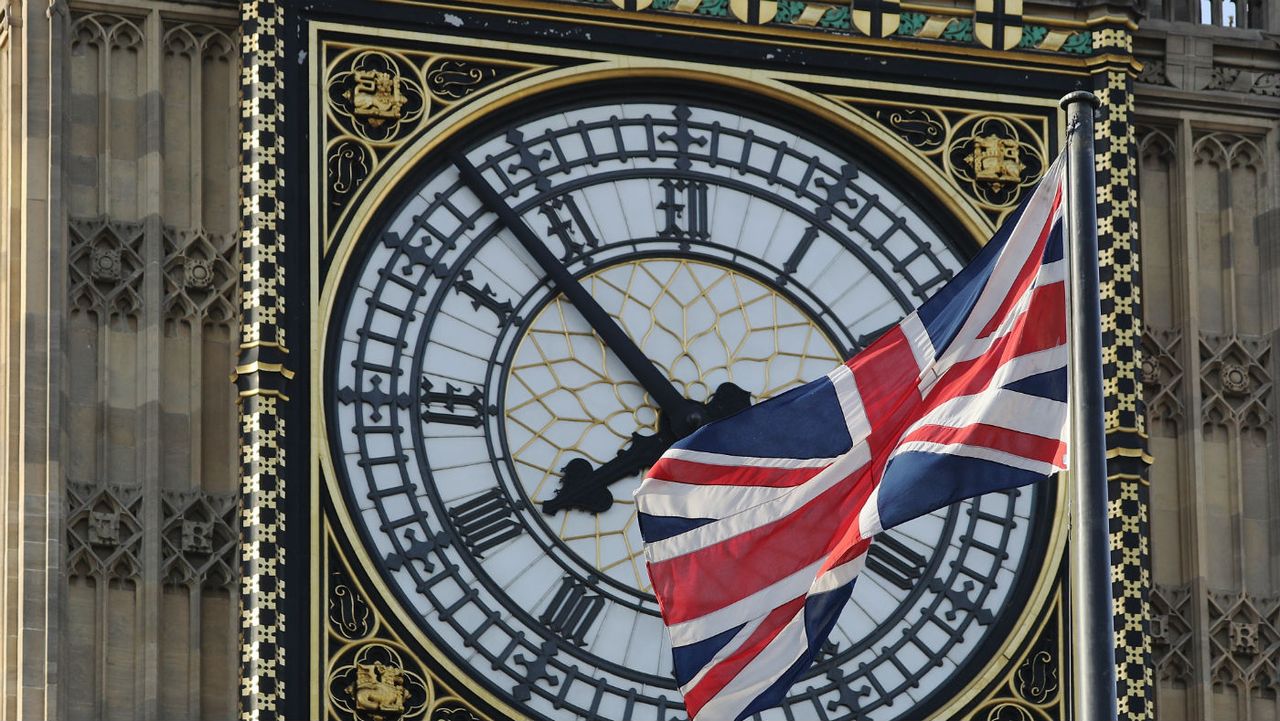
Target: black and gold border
[(1127, 457), (262, 372), (1038, 129)]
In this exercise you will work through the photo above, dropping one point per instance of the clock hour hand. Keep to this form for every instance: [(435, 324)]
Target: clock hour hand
[(585, 488), (683, 415)]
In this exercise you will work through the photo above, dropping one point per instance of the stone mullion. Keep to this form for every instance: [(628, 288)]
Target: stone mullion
[(196, 370), (1201, 696), (193, 589), (197, 138), (198, 223), (104, 131), (102, 385), (1268, 238), (195, 650), (150, 336), (1230, 301), (8, 384), (232, 424), (43, 235)]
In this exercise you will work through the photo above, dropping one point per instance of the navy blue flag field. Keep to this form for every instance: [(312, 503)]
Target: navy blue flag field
[(757, 526)]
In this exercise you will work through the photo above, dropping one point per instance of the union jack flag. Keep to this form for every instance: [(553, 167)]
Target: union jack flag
[(756, 526)]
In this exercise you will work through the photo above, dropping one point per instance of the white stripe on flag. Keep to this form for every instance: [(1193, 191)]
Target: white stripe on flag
[(922, 348), (869, 520), (757, 516), (980, 452), (720, 459), (1019, 309), (659, 497), (855, 416), (840, 575), (725, 651), (1000, 408)]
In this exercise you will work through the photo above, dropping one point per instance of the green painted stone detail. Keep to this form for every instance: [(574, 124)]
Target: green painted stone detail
[(1032, 36), (840, 17), (788, 11), (959, 30), (910, 24), (1080, 43), (718, 8), (837, 18)]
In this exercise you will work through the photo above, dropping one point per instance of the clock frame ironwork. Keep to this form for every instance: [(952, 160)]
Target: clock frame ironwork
[(528, 176)]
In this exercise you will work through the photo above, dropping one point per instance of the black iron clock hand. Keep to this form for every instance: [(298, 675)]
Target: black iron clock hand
[(683, 415), (587, 489)]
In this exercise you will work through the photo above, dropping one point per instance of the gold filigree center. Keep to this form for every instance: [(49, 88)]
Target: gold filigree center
[(568, 397)]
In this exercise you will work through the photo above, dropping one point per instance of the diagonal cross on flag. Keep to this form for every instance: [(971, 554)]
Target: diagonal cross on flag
[(757, 526)]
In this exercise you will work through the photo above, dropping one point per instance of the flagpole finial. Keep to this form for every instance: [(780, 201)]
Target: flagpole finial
[(1079, 96)]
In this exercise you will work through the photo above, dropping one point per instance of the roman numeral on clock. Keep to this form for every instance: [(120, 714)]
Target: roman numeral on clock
[(567, 229), (460, 409), (837, 192), (483, 297), (684, 210), (895, 562), (486, 521), (572, 611)]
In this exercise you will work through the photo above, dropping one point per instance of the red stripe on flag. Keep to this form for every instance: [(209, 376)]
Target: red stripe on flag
[(1042, 327), (726, 670), (1026, 445), (733, 569), (849, 548), (678, 470), (886, 374), (1026, 275)]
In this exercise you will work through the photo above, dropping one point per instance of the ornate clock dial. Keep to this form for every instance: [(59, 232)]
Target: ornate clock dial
[(476, 376)]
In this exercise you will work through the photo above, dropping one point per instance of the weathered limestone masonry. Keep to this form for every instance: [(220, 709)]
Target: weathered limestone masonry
[(1207, 101), (32, 312), (121, 266)]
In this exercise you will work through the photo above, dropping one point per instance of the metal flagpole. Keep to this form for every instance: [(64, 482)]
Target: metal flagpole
[(1092, 632)]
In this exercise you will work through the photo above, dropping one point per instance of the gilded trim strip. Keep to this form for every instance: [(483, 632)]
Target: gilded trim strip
[(1127, 457), (260, 371)]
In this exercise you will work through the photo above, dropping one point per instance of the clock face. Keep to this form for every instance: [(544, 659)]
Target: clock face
[(465, 386)]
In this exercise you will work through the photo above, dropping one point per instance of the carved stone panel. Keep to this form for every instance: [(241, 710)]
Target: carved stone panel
[(1244, 642), (1162, 375), (105, 267), (104, 531), (1172, 614), (1235, 382)]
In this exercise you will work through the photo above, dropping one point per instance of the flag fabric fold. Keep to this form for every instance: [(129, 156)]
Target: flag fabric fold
[(757, 526)]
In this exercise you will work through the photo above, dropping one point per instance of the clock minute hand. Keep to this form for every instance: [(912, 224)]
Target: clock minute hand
[(684, 415)]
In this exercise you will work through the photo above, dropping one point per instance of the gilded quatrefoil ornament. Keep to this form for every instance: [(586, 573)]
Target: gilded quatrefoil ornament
[(994, 159), (377, 96)]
